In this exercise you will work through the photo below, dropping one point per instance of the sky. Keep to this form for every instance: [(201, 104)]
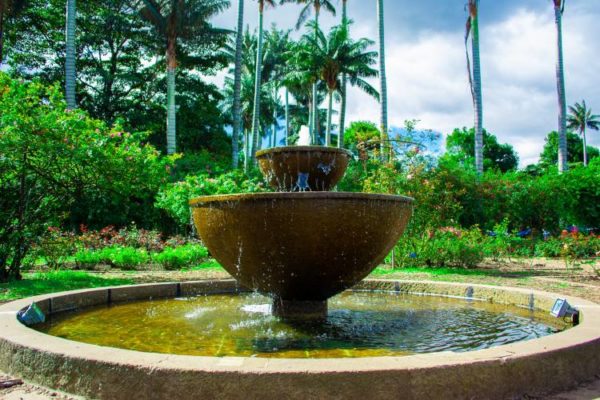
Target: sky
[(426, 65)]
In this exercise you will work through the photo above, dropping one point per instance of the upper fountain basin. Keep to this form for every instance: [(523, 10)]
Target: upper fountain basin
[(303, 168), (301, 246)]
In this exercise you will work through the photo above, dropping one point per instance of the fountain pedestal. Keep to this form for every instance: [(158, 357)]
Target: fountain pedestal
[(290, 309)]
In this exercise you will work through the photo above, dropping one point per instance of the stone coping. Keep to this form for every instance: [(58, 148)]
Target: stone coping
[(287, 196), (302, 149), (535, 367)]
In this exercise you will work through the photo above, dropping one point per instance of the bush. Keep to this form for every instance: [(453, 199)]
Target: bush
[(181, 257), (55, 247), (447, 247), (573, 246), (171, 258), (120, 257), (60, 166), (174, 198)]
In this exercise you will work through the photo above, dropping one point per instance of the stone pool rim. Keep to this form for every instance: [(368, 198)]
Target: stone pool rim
[(534, 367), (296, 196)]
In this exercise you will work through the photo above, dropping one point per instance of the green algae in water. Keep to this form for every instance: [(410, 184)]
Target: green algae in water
[(359, 324)]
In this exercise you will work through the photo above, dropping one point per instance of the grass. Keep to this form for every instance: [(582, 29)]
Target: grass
[(441, 272), (57, 281), (208, 264)]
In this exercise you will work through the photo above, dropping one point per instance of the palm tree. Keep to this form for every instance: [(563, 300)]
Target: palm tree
[(248, 70), (315, 5), (336, 55), (475, 80), (246, 109), (70, 73), (8, 9), (580, 119), (174, 21), (237, 86), (258, 74), (559, 9), (275, 66), (343, 94), (383, 79)]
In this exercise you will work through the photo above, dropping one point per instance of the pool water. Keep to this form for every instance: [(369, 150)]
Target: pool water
[(359, 324)]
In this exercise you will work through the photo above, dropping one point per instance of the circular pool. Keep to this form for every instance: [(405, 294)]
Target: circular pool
[(358, 324)]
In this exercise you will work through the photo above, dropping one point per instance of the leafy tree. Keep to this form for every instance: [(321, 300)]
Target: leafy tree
[(579, 120), (120, 70), (183, 25), (59, 166), (559, 9), (362, 137), (8, 10), (460, 144), (475, 82), (549, 155)]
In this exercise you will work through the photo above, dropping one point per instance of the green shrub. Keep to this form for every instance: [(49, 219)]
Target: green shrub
[(174, 198), (574, 246), (116, 256), (60, 166), (174, 258), (445, 248)]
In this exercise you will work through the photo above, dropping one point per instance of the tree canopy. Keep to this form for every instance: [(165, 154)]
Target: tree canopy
[(496, 156)]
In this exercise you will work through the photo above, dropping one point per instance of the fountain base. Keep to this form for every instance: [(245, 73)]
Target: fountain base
[(292, 309)]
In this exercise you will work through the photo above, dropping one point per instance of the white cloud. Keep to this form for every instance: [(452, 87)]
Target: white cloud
[(427, 77), (428, 81)]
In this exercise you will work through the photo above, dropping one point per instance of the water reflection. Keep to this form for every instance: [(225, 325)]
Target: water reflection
[(358, 324)]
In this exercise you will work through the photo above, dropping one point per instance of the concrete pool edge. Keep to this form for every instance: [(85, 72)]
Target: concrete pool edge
[(535, 367)]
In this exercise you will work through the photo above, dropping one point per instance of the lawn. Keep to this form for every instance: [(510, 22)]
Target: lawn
[(57, 281)]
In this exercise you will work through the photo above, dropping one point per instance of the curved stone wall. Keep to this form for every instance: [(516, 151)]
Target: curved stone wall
[(535, 367)]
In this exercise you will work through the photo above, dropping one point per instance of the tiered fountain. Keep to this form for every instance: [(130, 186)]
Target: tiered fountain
[(304, 243), (301, 246)]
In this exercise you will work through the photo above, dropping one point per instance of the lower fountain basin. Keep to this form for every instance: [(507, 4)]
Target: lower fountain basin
[(301, 248)]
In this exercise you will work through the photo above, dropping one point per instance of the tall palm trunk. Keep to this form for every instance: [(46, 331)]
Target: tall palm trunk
[(585, 154), (344, 88), (287, 116), (246, 150), (257, 81), (171, 104), (560, 81), (383, 81), (274, 130), (70, 74), (477, 92), (329, 112), (237, 86), (315, 105)]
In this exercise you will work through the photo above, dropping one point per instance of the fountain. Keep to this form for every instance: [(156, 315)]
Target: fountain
[(297, 333), (304, 243)]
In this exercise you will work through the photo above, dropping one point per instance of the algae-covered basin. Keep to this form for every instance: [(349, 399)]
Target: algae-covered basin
[(303, 168), (301, 246)]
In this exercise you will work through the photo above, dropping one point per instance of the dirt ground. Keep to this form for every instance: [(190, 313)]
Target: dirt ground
[(579, 279)]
